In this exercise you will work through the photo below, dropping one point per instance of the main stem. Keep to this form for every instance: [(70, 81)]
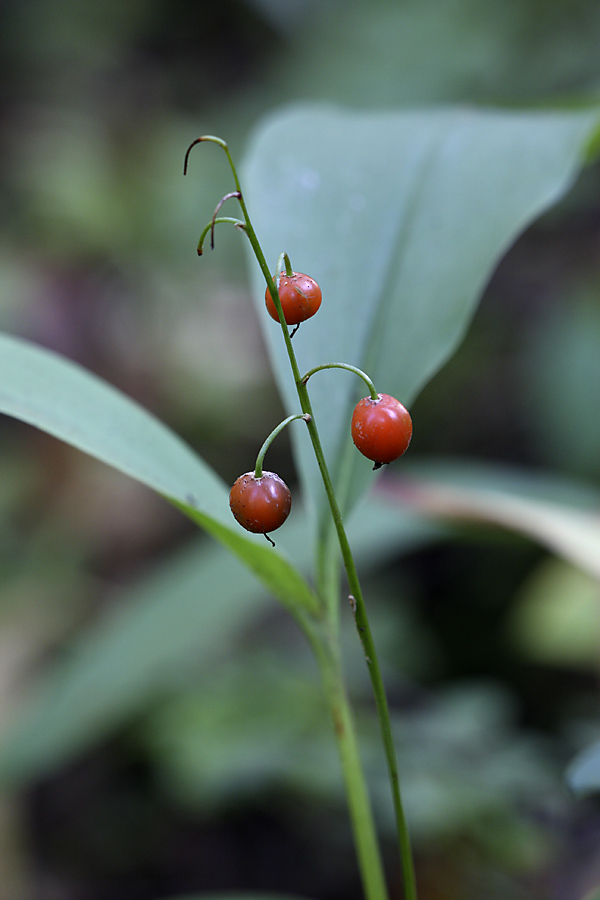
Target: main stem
[(360, 808)]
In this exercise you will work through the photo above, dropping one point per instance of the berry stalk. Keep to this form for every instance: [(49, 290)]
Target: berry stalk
[(279, 428), (349, 368)]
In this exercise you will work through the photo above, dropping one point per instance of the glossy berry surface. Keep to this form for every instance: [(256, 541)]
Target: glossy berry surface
[(300, 297), (260, 504), (381, 429)]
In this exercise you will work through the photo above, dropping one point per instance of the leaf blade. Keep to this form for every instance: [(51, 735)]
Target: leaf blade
[(57, 396)]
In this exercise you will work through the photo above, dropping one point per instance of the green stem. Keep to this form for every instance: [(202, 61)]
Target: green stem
[(360, 808), (284, 263), (261, 453), (349, 368)]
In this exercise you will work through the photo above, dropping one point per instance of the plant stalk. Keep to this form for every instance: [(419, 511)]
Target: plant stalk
[(358, 800)]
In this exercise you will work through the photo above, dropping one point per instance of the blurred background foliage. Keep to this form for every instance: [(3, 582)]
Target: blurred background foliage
[(225, 777)]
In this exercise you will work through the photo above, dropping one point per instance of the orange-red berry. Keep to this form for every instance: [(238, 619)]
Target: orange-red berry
[(300, 297), (381, 429), (260, 504)]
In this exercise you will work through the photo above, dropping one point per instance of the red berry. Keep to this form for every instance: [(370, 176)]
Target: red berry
[(300, 297), (260, 504), (381, 429)]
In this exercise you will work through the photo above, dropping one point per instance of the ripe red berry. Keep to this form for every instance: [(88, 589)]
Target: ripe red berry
[(300, 297), (381, 429), (260, 504)]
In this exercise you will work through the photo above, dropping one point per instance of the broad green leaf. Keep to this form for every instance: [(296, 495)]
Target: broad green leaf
[(185, 615), (401, 217), (57, 396), (560, 515)]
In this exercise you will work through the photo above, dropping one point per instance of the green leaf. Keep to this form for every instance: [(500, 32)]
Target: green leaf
[(401, 217), (59, 397)]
